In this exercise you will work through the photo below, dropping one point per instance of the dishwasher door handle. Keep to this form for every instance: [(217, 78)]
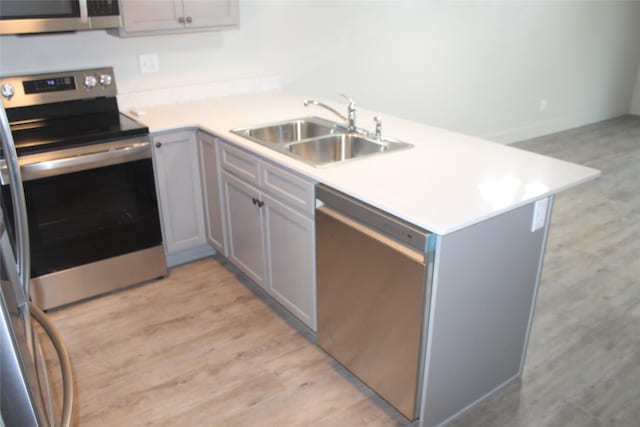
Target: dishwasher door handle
[(412, 254)]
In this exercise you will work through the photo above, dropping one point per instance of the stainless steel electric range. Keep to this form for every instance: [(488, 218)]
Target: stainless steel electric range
[(89, 185)]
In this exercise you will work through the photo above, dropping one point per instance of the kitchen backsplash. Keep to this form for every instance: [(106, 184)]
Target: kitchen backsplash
[(176, 95)]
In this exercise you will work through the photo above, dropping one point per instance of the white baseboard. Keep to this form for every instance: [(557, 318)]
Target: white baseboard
[(556, 124)]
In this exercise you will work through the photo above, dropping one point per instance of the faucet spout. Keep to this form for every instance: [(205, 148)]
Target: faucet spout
[(325, 106), (350, 118)]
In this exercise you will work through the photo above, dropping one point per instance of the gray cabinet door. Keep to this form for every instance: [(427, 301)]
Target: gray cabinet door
[(212, 191), (212, 13), (244, 225), (151, 15), (139, 16), (290, 250), (179, 190)]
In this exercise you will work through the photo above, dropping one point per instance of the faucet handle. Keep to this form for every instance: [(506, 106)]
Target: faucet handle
[(351, 114), (378, 121)]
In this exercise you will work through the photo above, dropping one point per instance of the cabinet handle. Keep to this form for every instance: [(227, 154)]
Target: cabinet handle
[(181, 20), (254, 200), (189, 20), (260, 203), (158, 144)]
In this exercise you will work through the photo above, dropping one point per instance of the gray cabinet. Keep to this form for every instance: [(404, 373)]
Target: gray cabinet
[(212, 191), (203, 14), (290, 249), (177, 169), (156, 16), (269, 217), (245, 226)]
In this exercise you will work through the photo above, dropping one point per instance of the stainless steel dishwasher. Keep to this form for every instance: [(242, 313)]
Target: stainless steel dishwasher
[(373, 287)]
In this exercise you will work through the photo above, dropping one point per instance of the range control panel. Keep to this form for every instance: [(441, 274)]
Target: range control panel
[(24, 91), (48, 85)]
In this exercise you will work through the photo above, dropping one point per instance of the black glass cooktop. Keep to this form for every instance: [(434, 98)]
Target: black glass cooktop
[(70, 125), (57, 134)]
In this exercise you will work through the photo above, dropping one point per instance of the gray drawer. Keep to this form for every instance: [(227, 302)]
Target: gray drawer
[(287, 186), (240, 163)]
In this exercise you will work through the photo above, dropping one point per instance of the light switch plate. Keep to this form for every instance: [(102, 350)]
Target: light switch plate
[(539, 214), (149, 63)]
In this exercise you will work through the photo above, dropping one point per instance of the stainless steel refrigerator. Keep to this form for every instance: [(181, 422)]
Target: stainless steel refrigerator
[(25, 394)]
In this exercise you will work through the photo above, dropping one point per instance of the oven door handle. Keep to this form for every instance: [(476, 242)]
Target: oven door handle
[(64, 165)]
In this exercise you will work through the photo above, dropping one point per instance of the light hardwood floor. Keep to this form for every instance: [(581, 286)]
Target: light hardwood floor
[(583, 362), (203, 348)]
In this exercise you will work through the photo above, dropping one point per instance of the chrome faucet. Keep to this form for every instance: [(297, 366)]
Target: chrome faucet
[(351, 112)]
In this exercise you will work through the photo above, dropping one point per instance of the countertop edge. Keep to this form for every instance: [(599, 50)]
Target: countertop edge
[(348, 177)]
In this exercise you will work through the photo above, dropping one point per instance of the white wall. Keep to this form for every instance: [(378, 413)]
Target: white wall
[(476, 67), (483, 67), (273, 40)]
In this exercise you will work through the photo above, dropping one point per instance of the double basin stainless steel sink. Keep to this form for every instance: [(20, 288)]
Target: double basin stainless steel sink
[(317, 141)]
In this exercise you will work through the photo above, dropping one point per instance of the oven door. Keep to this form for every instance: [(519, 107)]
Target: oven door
[(24, 17), (89, 207)]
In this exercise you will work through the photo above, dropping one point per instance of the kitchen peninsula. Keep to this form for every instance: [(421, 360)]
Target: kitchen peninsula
[(488, 205)]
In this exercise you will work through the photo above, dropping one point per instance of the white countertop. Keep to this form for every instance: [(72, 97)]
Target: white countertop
[(446, 182)]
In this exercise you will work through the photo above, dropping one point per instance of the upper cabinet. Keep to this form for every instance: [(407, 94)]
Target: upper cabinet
[(209, 13), (140, 17)]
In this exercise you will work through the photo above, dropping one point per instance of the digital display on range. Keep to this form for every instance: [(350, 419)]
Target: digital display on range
[(55, 84)]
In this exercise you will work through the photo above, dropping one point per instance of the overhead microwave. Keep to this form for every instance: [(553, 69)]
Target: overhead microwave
[(49, 16)]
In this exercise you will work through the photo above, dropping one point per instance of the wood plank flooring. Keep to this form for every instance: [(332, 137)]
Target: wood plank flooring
[(583, 361), (205, 348)]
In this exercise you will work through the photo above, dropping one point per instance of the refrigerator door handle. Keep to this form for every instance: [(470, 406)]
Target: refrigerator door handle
[(19, 205), (65, 363), (23, 272), (44, 385), (22, 300)]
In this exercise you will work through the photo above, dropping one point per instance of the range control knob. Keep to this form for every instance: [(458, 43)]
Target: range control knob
[(90, 81), (105, 80), (8, 90)]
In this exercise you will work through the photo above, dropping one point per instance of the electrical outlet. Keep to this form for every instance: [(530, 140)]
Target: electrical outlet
[(542, 105), (149, 63), (539, 214)]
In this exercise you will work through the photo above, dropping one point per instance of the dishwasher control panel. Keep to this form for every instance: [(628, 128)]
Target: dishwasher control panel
[(389, 225)]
